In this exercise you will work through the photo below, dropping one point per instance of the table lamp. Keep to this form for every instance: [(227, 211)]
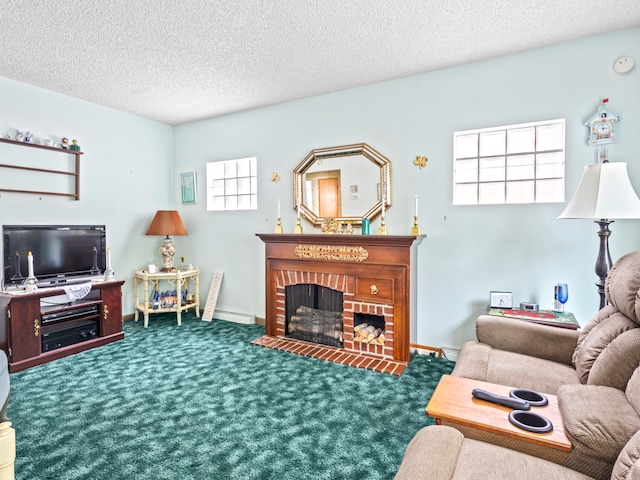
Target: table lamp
[(167, 222), (605, 193)]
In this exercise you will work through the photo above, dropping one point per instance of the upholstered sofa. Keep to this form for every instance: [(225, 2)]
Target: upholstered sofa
[(443, 453), (7, 434), (589, 371)]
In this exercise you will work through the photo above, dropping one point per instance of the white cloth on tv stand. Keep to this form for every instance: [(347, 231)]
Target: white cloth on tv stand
[(77, 292)]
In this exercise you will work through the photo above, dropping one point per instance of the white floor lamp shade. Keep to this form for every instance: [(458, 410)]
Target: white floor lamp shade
[(605, 193)]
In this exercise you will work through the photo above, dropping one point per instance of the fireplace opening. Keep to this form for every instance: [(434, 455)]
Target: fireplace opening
[(314, 314), (368, 328)]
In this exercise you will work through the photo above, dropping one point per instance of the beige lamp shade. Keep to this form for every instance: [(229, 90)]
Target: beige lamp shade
[(167, 222), (605, 191)]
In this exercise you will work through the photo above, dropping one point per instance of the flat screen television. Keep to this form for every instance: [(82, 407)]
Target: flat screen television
[(61, 253)]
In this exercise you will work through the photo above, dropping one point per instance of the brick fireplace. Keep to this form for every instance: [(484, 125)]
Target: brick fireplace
[(344, 284), (375, 275)]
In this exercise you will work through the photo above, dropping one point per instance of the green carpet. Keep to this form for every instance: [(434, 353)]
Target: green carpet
[(199, 402)]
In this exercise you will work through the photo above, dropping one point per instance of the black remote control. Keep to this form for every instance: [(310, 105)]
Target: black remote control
[(509, 402)]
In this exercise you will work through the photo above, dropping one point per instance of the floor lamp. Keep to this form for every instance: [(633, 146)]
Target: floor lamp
[(605, 193)]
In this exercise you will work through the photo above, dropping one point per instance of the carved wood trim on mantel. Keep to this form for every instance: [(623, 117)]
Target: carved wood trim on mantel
[(369, 260), (332, 252)]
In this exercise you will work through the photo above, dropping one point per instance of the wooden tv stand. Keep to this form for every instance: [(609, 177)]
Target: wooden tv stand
[(22, 328)]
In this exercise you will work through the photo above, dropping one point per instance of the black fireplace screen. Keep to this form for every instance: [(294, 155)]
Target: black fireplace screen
[(314, 314)]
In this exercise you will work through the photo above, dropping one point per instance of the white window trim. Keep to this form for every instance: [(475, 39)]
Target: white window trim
[(501, 180), (222, 190)]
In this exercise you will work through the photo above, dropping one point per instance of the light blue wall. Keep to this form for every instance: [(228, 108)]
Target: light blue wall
[(469, 250), (126, 172), (131, 168)]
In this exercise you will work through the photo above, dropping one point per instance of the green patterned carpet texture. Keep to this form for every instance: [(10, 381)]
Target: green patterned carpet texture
[(199, 402)]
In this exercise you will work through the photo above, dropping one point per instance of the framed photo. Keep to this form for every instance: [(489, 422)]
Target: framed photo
[(188, 187)]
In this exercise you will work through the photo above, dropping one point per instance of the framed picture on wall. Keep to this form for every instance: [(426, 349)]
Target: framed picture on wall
[(188, 187)]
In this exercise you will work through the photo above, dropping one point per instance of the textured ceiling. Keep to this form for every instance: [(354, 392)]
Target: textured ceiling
[(181, 61)]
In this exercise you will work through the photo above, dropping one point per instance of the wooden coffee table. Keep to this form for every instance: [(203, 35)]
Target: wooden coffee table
[(453, 404)]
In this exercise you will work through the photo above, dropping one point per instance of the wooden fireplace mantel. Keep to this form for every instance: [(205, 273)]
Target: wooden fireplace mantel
[(381, 268)]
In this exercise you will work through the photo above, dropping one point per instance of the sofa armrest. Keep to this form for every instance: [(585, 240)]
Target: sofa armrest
[(432, 454), (533, 339)]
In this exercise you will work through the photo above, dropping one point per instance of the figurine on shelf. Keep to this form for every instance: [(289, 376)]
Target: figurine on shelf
[(28, 137), (65, 143), (19, 136), (155, 304), (74, 146)]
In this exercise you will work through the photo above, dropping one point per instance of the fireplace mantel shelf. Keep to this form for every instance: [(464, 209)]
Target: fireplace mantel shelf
[(381, 240), (376, 274)]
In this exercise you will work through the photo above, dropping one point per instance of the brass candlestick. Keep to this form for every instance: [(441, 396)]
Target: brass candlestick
[(278, 228), (415, 230), (298, 228), (382, 230)]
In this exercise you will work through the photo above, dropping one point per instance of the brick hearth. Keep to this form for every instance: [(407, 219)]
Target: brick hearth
[(332, 354)]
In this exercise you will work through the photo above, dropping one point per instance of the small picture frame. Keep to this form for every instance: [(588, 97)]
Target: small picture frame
[(188, 188)]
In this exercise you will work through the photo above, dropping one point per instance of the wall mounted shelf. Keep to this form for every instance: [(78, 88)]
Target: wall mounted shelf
[(75, 173)]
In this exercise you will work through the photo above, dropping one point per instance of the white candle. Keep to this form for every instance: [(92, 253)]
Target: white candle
[(30, 261), (416, 207), (108, 258), (298, 209), (278, 208)]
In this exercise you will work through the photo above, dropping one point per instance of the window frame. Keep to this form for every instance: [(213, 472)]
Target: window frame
[(232, 185), (497, 173)]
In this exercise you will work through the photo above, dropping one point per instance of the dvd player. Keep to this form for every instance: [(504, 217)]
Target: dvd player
[(63, 315)]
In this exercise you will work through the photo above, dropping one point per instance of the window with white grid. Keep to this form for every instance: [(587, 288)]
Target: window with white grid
[(512, 164), (232, 184)]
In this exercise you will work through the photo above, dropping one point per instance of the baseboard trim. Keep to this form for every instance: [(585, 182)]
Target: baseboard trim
[(450, 353), (244, 318), (424, 349), (221, 315)]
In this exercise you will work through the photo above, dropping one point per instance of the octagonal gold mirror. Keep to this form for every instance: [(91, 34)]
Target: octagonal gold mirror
[(344, 184)]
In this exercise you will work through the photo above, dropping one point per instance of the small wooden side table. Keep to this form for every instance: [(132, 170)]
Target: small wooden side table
[(180, 280)]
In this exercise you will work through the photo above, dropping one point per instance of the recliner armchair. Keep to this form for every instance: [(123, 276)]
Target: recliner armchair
[(591, 372), (538, 357)]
